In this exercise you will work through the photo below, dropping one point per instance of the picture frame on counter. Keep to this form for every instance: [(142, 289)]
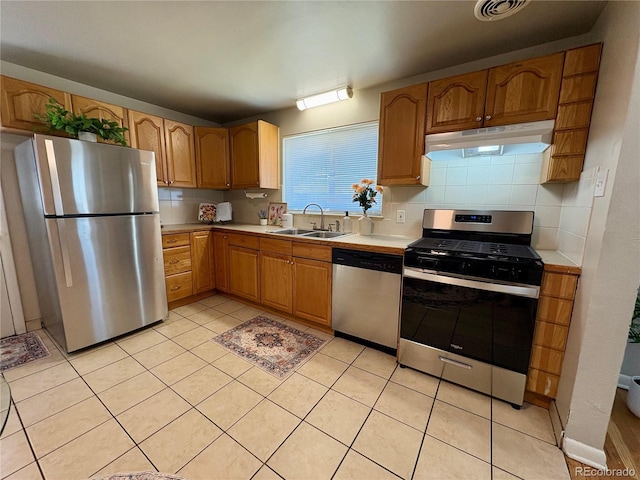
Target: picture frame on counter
[(275, 212)]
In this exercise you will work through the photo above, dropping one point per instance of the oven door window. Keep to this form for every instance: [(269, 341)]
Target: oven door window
[(491, 327)]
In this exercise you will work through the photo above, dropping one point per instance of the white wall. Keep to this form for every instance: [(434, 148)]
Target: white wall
[(181, 205), (611, 266)]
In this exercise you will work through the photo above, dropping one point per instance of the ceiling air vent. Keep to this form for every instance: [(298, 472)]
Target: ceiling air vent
[(489, 10)]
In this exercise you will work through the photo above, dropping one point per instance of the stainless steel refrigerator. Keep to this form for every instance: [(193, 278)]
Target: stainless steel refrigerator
[(91, 212)]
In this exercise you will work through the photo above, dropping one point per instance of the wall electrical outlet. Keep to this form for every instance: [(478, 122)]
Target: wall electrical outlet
[(400, 215), (601, 183)]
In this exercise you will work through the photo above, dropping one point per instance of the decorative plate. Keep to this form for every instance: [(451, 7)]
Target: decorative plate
[(207, 212)]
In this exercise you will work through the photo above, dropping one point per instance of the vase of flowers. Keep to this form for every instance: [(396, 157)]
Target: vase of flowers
[(365, 194)]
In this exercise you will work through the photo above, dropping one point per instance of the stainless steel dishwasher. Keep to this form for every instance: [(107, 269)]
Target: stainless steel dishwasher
[(366, 297)]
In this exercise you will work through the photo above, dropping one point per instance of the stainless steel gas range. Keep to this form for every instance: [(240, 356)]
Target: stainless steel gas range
[(469, 299)]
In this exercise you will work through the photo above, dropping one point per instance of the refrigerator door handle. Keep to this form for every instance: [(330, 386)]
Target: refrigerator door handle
[(64, 247), (55, 180)]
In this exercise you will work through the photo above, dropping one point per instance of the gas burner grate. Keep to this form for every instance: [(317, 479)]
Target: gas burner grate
[(498, 248)]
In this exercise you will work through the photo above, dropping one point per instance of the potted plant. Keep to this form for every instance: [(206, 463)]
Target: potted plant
[(632, 357), (57, 118), (365, 194), (262, 215)]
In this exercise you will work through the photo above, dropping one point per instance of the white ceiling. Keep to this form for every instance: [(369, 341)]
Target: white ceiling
[(227, 60)]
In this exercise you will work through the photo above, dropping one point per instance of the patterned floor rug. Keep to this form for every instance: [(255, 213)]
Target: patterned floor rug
[(20, 349), (276, 348)]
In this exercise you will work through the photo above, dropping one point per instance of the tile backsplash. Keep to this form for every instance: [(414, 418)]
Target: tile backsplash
[(180, 205)]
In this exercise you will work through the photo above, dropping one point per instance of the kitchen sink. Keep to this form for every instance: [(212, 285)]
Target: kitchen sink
[(292, 231), (323, 234), (301, 232)]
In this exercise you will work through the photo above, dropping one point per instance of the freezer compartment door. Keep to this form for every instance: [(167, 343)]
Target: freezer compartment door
[(84, 178), (109, 273)]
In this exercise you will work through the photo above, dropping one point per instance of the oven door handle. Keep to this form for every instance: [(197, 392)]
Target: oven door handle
[(518, 290)]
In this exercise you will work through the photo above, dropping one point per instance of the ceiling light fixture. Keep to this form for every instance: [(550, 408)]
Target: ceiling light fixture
[(337, 95)]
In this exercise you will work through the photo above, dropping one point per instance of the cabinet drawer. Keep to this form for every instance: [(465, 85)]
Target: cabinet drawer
[(179, 286), (316, 252), (559, 285), (275, 246), (176, 260), (542, 383), (555, 310), (246, 241), (550, 335), (175, 240), (546, 359)]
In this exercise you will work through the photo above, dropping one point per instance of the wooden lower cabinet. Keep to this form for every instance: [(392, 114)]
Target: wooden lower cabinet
[(312, 290), (276, 281), (244, 272), (221, 256), (179, 286), (202, 261)]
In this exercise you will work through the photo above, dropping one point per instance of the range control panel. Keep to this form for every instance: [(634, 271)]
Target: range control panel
[(473, 218)]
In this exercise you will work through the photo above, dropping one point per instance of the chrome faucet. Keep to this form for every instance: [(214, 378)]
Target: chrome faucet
[(321, 215)]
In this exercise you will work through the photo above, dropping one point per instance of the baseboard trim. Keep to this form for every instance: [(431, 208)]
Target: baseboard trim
[(594, 457), (624, 381), (556, 423)]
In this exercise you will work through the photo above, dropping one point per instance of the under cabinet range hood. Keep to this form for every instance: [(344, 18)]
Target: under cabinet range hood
[(520, 138)]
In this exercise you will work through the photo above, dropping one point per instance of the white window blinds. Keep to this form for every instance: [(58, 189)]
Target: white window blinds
[(321, 166)]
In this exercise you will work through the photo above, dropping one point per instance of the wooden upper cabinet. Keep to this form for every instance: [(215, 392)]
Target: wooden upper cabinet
[(254, 155), (212, 157), (20, 100), (96, 109), (202, 261), (147, 133), (524, 91), (181, 159), (456, 103), (401, 135)]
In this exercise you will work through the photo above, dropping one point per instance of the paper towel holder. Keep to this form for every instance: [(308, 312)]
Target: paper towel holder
[(254, 195)]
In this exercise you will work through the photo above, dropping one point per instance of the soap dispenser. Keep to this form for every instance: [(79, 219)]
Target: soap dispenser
[(346, 223)]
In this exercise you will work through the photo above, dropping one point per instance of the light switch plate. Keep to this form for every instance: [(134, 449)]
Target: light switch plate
[(400, 215), (601, 183)]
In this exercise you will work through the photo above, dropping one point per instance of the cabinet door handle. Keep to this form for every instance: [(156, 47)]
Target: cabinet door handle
[(478, 119), (488, 117), (175, 287), (418, 177), (172, 240), (174, 261)]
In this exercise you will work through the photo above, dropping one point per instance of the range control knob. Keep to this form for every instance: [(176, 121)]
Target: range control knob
[(515, 273)]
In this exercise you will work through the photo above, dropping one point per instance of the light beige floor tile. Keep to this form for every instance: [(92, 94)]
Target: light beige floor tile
[(229, 404), (415, 380), (376, 362), (52, 401), (149, 416), (461, 429), (106, 443), (214, 300), (406, 405), (390, 443), (362, 386), (209, 351), (206, 316), (317, 333), (323, 369), (298, 394), (173, 446), (525, 456), (231, 364), (229, 307), (342, 349), (131, 461), (530, 419), (308, 453), (246, 313), (201, 384), (15, 453), (263, 429), (262, 382), (177, 368), (13, 424), (356, 467), (111, 375), (442, 461), (193, 338), (58, 429), (265, 473), (154, 356), (41, 381), (55, 358), (190, 309), (30, 472), (125, 395), (465, 399), (173, 329), (141, 341), (97, 359), (222, 460), (502, 475), (222, 324), (338, 416), (172, 317)]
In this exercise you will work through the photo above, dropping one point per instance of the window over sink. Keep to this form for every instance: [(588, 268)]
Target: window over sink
[(321, 166)]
